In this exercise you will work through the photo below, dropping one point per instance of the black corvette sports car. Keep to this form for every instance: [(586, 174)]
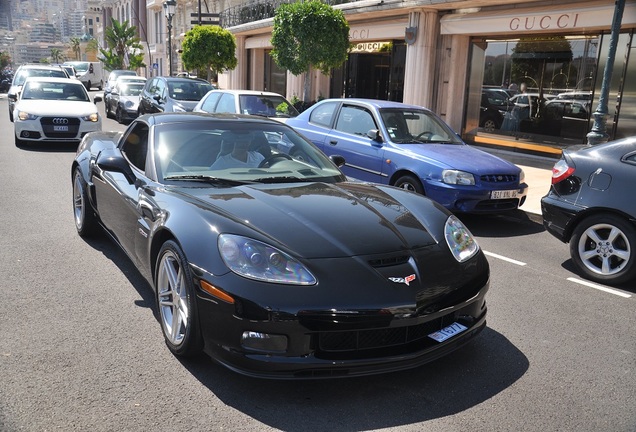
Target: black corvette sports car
[(264, 255)]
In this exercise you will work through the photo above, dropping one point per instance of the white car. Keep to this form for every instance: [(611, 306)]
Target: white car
[(254, 102), (54, 110)]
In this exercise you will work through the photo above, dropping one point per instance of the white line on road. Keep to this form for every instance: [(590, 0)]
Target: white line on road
[(510, 260), (600, 287)]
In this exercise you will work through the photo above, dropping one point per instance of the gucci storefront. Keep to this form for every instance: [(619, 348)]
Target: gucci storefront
[(535, 76)]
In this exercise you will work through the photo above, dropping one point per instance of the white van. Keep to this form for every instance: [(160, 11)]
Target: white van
[(90, 74)]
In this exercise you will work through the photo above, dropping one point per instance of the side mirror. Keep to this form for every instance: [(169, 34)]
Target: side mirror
[(374, 134), (115, 162), (97, 98), (338, 160)]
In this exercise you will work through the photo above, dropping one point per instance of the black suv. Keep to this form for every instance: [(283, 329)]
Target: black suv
[(172, 94), (30, 70)]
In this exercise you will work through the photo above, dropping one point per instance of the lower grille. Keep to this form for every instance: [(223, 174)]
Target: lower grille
[(60, 127), (379, 342)]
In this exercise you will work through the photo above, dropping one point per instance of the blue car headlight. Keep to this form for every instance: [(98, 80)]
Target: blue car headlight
[(458, 177), (459, 239), (259, 261)]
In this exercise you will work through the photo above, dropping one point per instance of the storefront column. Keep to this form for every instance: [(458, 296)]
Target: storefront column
[(456, 91), (236, 78), (420, 70), (295, 86)]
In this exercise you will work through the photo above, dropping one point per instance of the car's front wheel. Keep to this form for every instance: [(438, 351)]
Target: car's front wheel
[(176, 301), (410, 183), (603, 248), (118, 115), (85, 218)]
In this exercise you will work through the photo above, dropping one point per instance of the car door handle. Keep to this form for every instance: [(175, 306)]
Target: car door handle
[(333, 142)]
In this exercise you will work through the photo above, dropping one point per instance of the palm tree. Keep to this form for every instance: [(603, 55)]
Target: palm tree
[(122, 44), (56, 55), (75, 45)]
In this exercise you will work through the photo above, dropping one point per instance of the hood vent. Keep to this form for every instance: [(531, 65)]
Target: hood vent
[(389, 261)]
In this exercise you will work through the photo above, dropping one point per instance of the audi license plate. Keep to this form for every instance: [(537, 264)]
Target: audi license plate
[(58, 128), (448, 332), (503, 194)]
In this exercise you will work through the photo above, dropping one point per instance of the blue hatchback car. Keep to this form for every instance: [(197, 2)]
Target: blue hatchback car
[(412, 148)]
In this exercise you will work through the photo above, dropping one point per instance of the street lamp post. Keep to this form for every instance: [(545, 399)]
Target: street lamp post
[(169, 7)]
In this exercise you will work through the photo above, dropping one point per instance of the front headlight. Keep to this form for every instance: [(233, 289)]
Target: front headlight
[(458, 177), (129, 104), (459, 239), (93, 117), (23, 115), (177, 108), (256, 260)]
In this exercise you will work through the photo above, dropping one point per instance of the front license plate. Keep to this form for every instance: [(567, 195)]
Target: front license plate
[(503, 194), (60, 128), (447, 332)]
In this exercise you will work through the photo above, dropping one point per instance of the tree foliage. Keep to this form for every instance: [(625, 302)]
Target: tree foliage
[(309, 34), (123, 47), (75, 45), (531, 55), (209, 48), (56, 55)]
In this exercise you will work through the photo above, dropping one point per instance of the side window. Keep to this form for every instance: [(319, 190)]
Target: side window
[(323, 114), (209, 103), (355, 120), (226, 104), (135, 146), (161, 88)]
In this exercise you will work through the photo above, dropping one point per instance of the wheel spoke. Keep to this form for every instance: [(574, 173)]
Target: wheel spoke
[(593, 235)]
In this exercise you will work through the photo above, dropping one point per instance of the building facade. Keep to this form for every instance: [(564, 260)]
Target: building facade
[(451, 56)]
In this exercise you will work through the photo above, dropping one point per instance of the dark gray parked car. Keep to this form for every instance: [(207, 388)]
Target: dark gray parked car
[(172, 94), (591, 205)]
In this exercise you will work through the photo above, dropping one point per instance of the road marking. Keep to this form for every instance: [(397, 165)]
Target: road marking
[(600, 287), (510, 260)]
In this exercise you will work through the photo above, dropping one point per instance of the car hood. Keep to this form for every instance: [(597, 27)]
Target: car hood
[(185, 104), (462, 157), (58, 108), (318, 220), (133, 99)]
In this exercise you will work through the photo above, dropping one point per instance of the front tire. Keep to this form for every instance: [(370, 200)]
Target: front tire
[(118, 115), (176, 301), (85, 218), (409, 183), (603, 247)]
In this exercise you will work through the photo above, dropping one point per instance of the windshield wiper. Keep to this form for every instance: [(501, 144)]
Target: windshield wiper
[(281, 179), (208, 179)]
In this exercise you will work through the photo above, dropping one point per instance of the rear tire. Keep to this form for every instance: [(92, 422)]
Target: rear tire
[(85, 218), (176, 302), (603, 247), (409, 183)]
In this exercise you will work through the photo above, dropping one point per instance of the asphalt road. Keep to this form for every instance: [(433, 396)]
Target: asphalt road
[(81, 348)]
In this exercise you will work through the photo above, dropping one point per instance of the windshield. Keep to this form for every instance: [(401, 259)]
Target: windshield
[(268, 106), (26, 73), (413, 126), (239, 152), (190, 90), (54, 91), (132, 89), (81, 66)]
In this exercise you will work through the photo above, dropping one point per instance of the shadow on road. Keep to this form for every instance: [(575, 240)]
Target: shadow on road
[(470, 376), (507, 224)]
